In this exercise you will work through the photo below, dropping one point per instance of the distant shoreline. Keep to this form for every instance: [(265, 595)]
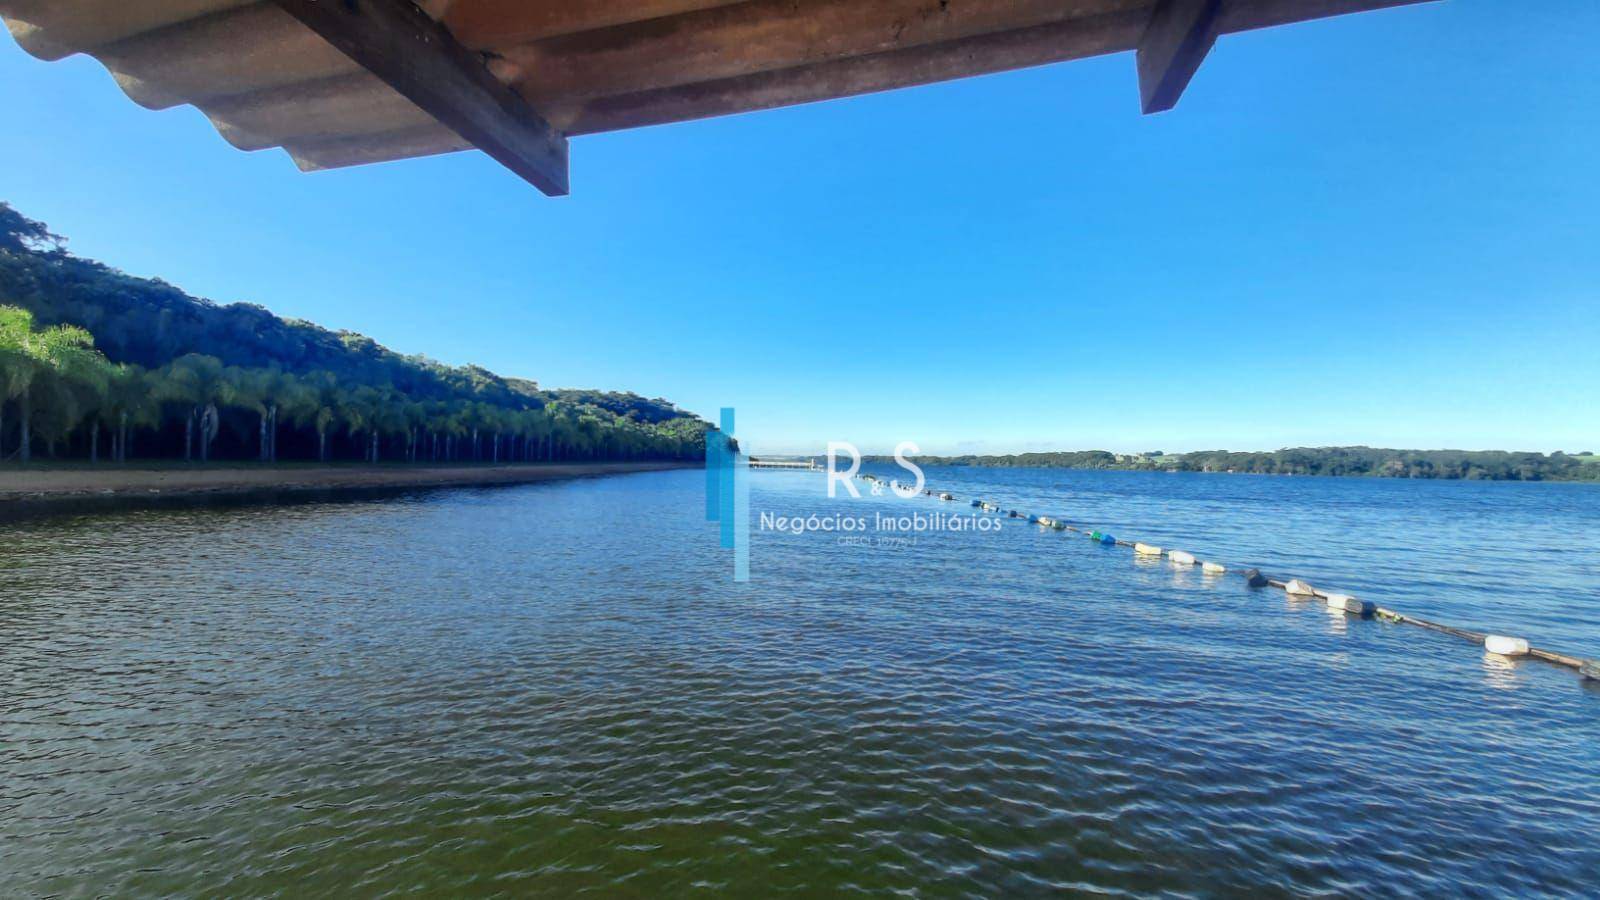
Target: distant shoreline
[(1343, 462), (48, 487)]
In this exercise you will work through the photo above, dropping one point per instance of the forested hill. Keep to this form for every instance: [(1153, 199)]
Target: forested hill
[(1498, 465), (145, 325), (149, 322)]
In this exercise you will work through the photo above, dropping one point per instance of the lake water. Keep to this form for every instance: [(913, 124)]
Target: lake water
[(558, 688)]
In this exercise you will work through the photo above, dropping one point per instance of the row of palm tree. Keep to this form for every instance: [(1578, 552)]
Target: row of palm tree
[(64, 390)]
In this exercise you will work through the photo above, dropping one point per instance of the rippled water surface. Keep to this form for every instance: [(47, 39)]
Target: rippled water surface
[(558, 688)]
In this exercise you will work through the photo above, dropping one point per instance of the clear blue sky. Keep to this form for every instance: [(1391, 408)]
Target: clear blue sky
[(1379, 229)]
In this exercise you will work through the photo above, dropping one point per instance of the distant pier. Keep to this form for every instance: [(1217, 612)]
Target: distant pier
[(802, 464)]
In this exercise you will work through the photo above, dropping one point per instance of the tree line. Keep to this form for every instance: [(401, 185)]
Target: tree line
[(1496, 465), (99, 365)]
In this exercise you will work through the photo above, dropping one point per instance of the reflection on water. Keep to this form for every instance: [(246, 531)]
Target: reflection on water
[(558, 688), (1338, 620), (1500, 671)]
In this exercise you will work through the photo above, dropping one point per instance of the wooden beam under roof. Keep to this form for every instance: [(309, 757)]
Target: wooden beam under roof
[(492, 24), (757, 36), (1016, 49), (418, 57), (1180, 34), (1247, 15), (1076, 37)]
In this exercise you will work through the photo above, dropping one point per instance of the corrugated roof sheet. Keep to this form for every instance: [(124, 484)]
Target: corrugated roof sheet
[(261, 77)]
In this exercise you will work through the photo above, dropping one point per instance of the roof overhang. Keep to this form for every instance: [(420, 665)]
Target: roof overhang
[(348, 82)]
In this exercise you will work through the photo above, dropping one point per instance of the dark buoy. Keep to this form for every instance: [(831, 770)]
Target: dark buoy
[(1254, 578)]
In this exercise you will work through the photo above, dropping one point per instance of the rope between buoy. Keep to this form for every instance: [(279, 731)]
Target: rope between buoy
[(1587, 667)]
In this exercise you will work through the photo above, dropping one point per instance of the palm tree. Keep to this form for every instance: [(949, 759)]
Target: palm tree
[(91, 395), (415, 416), (16, 364), (455, 427), (372, 412), (66, 396), (355, 410), (387, 417), (325, 417), (58, 357), (562, 429), (260, 390), (245, 390), (298, 402), (589, 434), (542, 428), (475, 417), (496, 419), (441, 421), (528, 429), (318, 401), (131, 401), (200, 383), (282, 388)]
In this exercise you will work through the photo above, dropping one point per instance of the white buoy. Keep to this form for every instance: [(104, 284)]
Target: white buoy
[(1181, 558), (1300, 588), (1212, 568), (1349, 604), (947, 496), (1146, 550), (1505, 646), (1046, 521)]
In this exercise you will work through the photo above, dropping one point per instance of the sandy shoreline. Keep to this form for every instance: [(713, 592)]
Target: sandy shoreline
[(48, 486)]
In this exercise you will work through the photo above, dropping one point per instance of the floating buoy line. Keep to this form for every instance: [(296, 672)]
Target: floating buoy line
[(1498, 644)]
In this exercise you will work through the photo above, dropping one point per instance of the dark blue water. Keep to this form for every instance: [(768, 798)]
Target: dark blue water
[(1504, 557), (558, 689)]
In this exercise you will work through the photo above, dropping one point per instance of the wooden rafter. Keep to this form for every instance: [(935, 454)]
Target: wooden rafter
[(1180, 34), (416, 56)]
